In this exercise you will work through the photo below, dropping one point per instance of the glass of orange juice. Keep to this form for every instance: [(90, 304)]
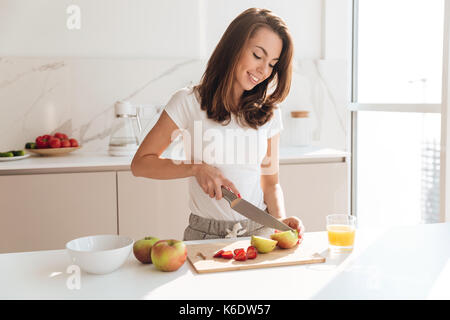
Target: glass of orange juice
[(341, 232)]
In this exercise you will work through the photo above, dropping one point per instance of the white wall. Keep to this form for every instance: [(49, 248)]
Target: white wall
[(142, 28), (56, 79)]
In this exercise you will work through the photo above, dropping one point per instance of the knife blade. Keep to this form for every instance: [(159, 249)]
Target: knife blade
[(252, 212)]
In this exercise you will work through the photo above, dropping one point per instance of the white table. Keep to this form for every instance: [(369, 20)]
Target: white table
[(411, 262)]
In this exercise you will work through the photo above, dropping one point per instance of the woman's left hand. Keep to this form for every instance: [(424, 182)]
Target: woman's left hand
[(295, 223)]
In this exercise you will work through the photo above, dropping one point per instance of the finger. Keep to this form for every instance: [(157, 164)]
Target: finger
[(211, 190), (218, 191), (293, 223), (233, 188)]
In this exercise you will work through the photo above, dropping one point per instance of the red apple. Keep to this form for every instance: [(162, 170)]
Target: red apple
[(142, 249), (54, 142), (169, 255), (286, 239)]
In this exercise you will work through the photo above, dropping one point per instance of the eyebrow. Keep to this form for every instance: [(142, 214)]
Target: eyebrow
[(265, 52)]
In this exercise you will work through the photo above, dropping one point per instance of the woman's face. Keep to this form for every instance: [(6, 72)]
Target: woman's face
[(257, 60)]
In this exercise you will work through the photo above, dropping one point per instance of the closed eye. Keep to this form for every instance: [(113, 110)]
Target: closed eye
[(257, 57)]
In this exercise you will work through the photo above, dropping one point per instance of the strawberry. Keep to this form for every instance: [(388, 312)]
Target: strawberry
[(54, 142), (227, 254), (252, 253), (65, 144), (236, 251), (218, 254), (61, 136), (240, 256), (73, 143), (42, 142)]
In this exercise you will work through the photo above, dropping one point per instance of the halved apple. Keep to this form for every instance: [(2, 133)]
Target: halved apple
[(263, 245), (286, 239)]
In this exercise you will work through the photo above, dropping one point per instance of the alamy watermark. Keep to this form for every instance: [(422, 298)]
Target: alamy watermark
[(73, 21), (73, 282), (231, 146)]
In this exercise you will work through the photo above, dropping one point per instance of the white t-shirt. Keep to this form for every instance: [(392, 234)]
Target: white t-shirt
[(235, 150)]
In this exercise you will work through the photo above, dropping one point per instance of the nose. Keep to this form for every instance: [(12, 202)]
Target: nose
[(263, 70)]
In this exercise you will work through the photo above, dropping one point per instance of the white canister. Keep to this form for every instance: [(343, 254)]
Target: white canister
[(301, 128)]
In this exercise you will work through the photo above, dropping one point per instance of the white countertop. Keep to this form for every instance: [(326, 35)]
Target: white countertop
[(80, 161), (411, 262)]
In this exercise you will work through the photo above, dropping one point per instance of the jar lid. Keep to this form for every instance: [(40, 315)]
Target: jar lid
[(299, 114), (124, 108)]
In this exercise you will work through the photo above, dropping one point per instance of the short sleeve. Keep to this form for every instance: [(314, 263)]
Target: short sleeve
[(178, 108), (276, 123)]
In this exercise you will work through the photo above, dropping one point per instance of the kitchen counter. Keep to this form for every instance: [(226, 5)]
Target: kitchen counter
[(80, 161), (408, 262)]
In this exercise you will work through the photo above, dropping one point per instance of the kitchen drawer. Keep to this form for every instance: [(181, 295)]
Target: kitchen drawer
[(150, 207), (44, 211)]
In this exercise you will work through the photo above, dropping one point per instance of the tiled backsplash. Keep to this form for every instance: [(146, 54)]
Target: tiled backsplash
[(77, 96)]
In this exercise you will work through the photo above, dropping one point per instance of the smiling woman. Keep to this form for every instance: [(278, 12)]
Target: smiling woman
[(255, 49), (255, 52)]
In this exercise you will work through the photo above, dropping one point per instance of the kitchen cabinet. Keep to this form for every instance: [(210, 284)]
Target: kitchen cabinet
[(47, 201), (314, 190), (149, 207), (44, 211)]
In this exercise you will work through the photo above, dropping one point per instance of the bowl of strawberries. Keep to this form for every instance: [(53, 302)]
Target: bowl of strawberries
[(52, 145)]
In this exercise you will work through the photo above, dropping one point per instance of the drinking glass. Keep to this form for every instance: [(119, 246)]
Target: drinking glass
[(341, 232)]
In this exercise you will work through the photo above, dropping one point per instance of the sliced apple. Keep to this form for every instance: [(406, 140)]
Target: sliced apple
[(263, 245), (286, 239)]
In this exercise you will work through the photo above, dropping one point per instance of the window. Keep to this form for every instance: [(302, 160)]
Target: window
[(397, 76)]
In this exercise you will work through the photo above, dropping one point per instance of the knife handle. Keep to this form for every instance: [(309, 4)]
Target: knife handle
[(228, 195)]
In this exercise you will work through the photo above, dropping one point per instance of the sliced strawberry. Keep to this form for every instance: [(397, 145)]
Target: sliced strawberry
[(241, 256), (236, 251), (227, 254), (218, 254), (252, 253)]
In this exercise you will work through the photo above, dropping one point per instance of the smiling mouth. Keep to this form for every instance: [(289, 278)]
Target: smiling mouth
[(252, 78)]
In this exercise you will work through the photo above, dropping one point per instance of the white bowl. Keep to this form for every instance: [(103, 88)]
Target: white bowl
[(100, 254)]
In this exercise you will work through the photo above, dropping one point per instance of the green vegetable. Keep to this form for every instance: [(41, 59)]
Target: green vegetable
[(18, 153), (30, 145), (6, 154)]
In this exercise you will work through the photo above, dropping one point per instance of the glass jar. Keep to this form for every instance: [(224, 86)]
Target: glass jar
[(301, 128)]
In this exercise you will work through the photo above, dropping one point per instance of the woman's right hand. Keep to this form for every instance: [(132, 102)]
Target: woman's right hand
[(211, 180)]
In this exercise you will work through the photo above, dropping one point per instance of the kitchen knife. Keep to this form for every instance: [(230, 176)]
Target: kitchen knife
[(252, 212)]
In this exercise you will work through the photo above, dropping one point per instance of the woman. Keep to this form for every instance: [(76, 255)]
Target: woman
[(231, 103)]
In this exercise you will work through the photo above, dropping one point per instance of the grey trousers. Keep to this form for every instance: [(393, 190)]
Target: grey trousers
[(202, 228)]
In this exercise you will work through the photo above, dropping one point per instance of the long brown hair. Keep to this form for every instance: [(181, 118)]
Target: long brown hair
[(215, 88)]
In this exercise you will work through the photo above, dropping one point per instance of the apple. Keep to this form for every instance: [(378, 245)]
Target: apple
[(169, 255), (263, 245), (142, 249), (286, 239)]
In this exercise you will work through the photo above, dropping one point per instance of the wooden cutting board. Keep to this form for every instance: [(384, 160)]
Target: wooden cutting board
[(201, 257)]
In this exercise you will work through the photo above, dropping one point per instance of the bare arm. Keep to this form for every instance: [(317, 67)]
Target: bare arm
[(273, 194), (147, 162)]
